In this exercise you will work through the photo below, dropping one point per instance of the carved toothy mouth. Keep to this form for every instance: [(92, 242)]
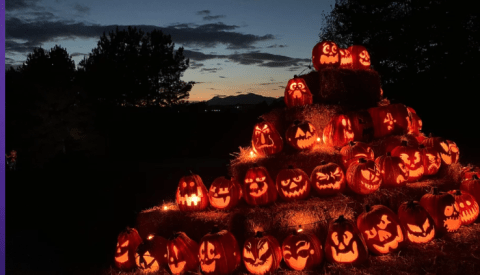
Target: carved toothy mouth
[(346, 257), (220, 202), (297, 93), (421, 239), (260, 267), (365, 62), (208, 268), (346, 61), (257, 192), (370, 186), (390, 245), (469, 215), (400, 179), (348, 134), (298, 263), (306, 143), (296, 193), (328, 59), (177, 268), (122, 258), (415, 174), (192, 199), (335, 185), (452, 223)]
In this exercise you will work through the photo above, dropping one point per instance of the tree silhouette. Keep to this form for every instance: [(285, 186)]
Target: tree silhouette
[(130, 65)]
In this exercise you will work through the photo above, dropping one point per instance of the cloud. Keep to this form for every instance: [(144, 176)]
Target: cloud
[(210, 17), (204, 12), (221, 76), (210, 70), (11, 5), (276, 46), (81, 8), (79, 54)]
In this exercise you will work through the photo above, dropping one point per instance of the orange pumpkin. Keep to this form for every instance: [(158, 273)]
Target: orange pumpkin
[(338, 132), (293, 184), (418, 224), (262, 254), (468, 206), (259, 188), (191, 194), (360, 57), (363, 176), (393, 170), (328, 179), (219, 253), (127, 243), (297, 93), (325, 54), (444, 210), (346, 60), (302, 251), (224, 194), (355, 150), (182, 254), (265, 139)]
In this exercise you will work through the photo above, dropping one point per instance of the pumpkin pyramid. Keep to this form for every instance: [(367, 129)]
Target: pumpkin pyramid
[(336, 147)]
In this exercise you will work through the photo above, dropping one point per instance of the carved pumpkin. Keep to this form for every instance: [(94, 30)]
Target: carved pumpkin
[(393, 170), (412, 158), (293, 184), (393, 141), (259, 188), (344, 244), (224, 194), (325, 54), (362, 125), (448, 149), (363, 176), (338, 131), (472, 186), (302, 251), (127, 243), (443, 208), (301, 135), (360, 57), (266, 140), (219, 253), (381, 229), (414, 122), (152, 254), (388, 120), (346, 59), (418, 224), (191, 194), (328, 179), (468, 206), (182, 254), (355, 150), (431, 159), (468, 172), (297, 93), (261, 254)]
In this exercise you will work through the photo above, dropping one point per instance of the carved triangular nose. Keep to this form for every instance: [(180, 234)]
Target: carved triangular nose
[(262, 139)]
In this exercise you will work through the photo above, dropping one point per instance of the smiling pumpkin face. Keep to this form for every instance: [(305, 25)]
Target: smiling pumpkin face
[(412, 158), (262, 254), (444, 210), (259, 188), (325, 54), (381, 229), (360, 57), (468, 206), (182, 254), (191, 194), (419, 226), (219, 253), (293, 184), (448, 149), (302, 251), (127, 243), (301, 135), (224, 194), (364, 177)]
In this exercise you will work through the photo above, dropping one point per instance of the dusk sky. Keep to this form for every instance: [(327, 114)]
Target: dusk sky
[(234, 46)]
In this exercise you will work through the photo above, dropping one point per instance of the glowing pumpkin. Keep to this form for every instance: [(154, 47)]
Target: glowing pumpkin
[(259, 188), (338, 132), (389, 120), (293, 184), (262, 254), (414, 122), (381, 229), (219, 253), (127, 243), (468, 206), (301, 135), (393, 141), (224, 194), (448, 149), (363, 176), (443, 208), (182, 254), (412, 158), (355, 150), (418, 224), (325, 54), (266, 140), (360, 57), (468, 172), (328, 179), (191, 194), (152, 254), (302, 251), (346, 59), (472, 186), (297, 93), (393, 170), (431, 159), (362, 125), (344, 244)]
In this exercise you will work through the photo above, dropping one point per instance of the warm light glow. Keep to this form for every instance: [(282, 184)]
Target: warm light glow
[(252, 154), (150, 237), (299, 230), (165, 207), (318, 139)]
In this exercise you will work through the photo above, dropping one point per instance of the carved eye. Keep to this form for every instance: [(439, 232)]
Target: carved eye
[(297, 179), (372, 233), (344, 122), (248, 180), (184, 184), (260, 179), (414, 228), (263, 249), (347, 237), (125, 244), (285, 182), (417, 157), (448, 211), (210, 250), (335, 238), (384, 222), (426, 225), (469, 203), (338, 172), (322, 176), (300, 86), (248, 254), (192, 184), (405, 158), (334, 49), (299, 133), (462, 205), (456, 207), (293, 86), (444, 146), (326, 49)]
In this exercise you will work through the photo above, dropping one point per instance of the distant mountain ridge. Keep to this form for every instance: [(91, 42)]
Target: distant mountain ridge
[(249, 98)]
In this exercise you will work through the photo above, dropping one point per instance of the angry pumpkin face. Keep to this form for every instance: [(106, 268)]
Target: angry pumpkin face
[(261, 254), (328, 179), (468, 206), (419, 226), (191, 194), (266, 140), (127, 243), (444, 210), (364, 177), (346, 59), (301, 135), (293, 184), (259, 188)]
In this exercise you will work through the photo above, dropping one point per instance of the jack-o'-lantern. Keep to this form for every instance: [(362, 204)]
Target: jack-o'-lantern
[(355, 150), (262, 254), (328, 179), (266, 140), (301, 135), (293, 184), (393, 170), (344, 244), (418, 224), (362, 125), (224, 194), (182, 254), (444, 210), (219, 253), (302, 251), (389, 120), (363, 176), (431, 159), (297, 93), (338, 131), (191, 194), (127, 243), (467, 205), (152, 254), (472, 186), (381, 229), (346, 59), (259, 188), (360, 57), (325, 54), (414, 122), (393, 141), (412, 158), (448, 149), (468, 172)]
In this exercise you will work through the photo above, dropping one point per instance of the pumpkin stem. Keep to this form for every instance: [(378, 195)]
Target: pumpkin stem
[(296, 122), (340, 219), (475, 177), (458, 193), (404, 143), (389, 154), (215, 229), (323, 162), (362, 160), (295, 76), (435, 190), (290, 166), (411, 204), (367, 208), (351, 143), (421, 146), (259, 234)]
